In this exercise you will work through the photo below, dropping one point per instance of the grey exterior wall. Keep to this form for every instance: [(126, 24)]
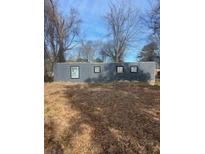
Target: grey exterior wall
[(146, 72)]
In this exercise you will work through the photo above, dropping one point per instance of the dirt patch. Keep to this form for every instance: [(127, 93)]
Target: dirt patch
[(102, 118)]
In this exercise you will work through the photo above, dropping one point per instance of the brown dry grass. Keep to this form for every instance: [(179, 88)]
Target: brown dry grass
[(101, 118)]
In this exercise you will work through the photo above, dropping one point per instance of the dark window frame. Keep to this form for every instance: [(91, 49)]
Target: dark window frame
[(122, 69), (99, 69), (131, 69), (71, 73)]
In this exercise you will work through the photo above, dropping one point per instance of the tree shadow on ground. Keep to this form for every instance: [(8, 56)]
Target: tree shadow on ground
[(52, 145), (117, 118)]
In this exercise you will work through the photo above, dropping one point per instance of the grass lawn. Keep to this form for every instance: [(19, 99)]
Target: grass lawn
[(102, 118)]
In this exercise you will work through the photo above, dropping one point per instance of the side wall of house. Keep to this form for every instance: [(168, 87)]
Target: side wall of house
[(146, 72)]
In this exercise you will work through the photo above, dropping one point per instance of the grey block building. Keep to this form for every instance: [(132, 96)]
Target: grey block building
[(104, 72)]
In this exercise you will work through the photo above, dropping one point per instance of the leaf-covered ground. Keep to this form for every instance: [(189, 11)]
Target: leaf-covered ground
[(102, 118)]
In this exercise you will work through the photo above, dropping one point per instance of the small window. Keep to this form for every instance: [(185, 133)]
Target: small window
[(133, 69), (120, 69), (97, 69), (75, 72)]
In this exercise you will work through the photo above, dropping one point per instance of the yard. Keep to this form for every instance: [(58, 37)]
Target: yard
[(117, 117)]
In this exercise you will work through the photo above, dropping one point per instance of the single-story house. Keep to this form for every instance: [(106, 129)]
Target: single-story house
[(104, 72)]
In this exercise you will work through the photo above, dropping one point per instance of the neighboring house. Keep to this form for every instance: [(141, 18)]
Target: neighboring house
[(104, 72)]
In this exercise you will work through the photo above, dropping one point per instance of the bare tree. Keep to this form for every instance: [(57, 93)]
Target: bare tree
[(89, 50), (151, 20), (86, 51), (154, 22), (60, 32), (122, 21)]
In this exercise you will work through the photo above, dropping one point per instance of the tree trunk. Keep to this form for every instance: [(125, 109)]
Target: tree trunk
[(61, 56)]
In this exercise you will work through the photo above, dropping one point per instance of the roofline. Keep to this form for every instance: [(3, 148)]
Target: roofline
[(103, 62)]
